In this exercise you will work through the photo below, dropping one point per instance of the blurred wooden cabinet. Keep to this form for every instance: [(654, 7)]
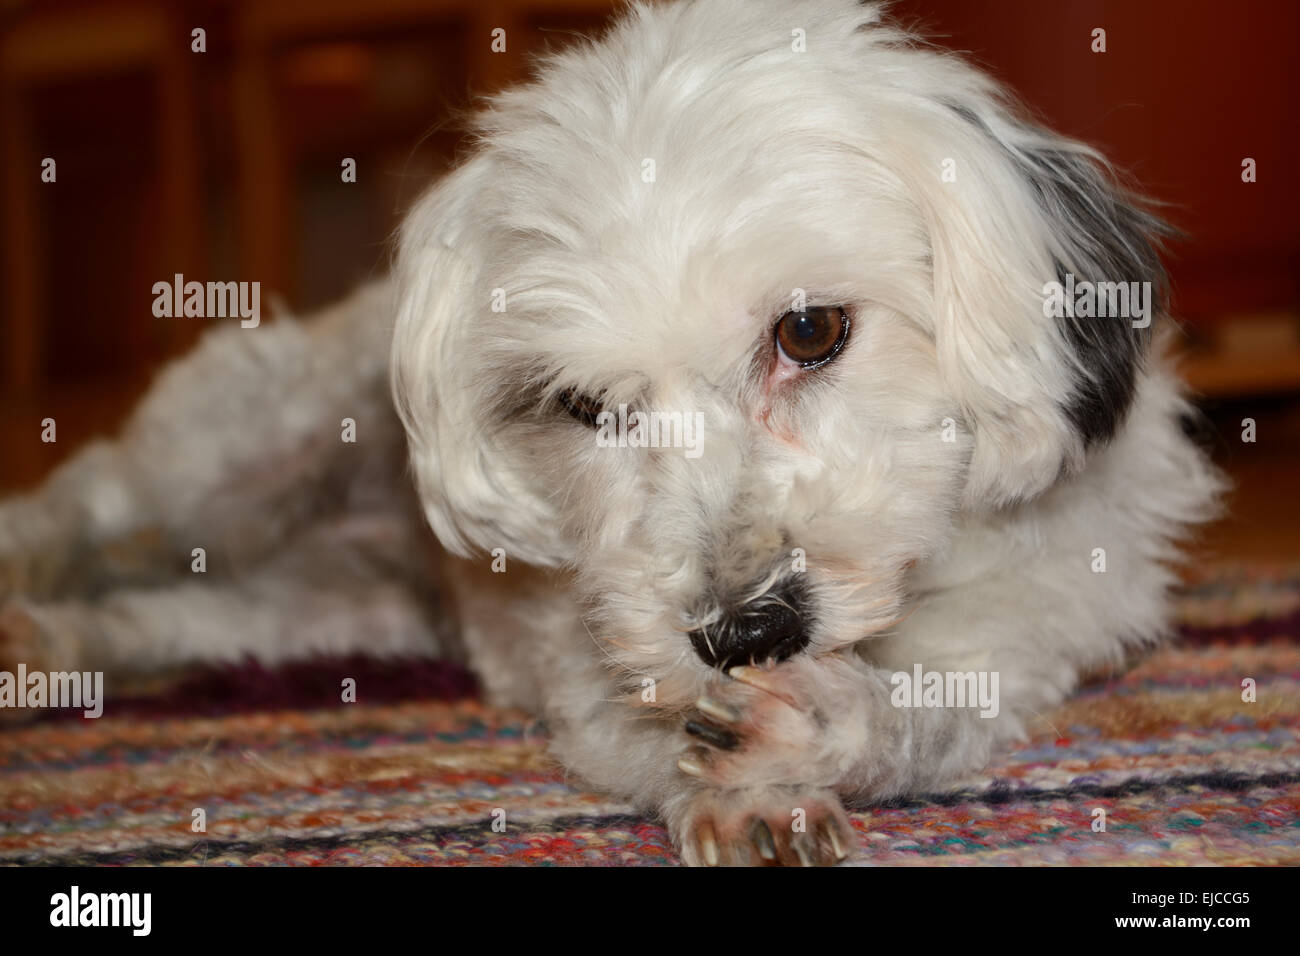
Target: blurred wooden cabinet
[(221, 164)]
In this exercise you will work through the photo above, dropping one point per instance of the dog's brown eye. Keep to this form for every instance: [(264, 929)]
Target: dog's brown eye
[(814, 335), (583, 408)]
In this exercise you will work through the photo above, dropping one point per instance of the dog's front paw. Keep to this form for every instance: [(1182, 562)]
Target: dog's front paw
[(762, 826), (797, 722)]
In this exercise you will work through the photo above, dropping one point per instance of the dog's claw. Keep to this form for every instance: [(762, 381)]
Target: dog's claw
[(717, 710), (708, 843), (690, 766), (763, 841), (833, 836), (716, 736)]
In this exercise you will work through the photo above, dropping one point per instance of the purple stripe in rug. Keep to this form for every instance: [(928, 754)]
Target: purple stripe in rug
[(301, 685), (1255, 631)]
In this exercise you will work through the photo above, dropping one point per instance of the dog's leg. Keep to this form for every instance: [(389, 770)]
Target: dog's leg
[(835, 722), (42, 532), (618, 740), (303, 603), (622, 734), (773, 749), (237, 445)]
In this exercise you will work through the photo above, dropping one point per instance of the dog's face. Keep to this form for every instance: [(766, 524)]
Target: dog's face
[(819, 253)]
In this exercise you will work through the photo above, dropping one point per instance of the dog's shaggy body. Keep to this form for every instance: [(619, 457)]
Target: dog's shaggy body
[(969, 485)]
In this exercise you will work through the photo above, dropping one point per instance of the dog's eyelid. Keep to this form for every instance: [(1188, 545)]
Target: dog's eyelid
[(582, 407)]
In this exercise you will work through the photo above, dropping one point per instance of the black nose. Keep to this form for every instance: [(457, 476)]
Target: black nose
[(772, 627)]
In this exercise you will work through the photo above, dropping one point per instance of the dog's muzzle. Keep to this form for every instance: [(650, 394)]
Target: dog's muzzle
[(772, 627)]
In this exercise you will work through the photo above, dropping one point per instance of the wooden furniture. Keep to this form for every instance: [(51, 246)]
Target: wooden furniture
[(219, 165)]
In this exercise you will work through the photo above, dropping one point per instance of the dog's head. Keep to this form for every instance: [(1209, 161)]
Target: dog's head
[(818, 251)]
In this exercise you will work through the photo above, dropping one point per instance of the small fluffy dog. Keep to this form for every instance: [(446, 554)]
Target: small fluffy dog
[(737, 389)]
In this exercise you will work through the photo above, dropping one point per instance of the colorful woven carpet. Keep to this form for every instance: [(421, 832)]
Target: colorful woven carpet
[(1186, 772)]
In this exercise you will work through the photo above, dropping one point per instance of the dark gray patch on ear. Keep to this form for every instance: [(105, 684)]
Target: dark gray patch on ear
[(1106, 237)]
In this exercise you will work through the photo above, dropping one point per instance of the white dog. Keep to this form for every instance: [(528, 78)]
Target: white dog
[(890, 458)]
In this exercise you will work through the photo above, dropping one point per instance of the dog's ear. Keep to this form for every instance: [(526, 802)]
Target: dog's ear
[(473, 497), (1020, 210)]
